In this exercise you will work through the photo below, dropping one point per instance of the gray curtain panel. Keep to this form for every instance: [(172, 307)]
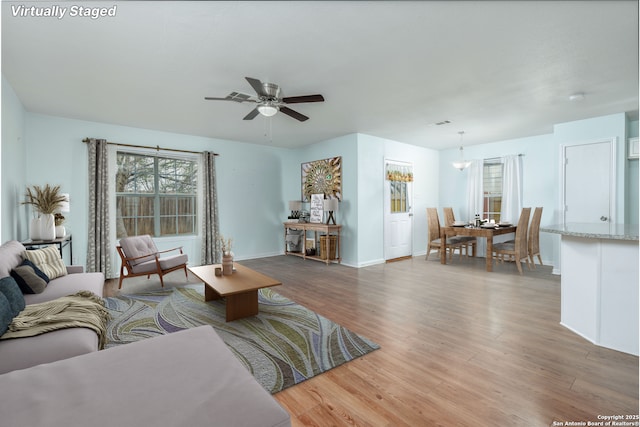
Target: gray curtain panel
[(210, 228), (98, 251)]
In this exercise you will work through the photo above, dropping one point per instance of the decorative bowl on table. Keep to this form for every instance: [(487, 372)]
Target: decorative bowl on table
[(459, 223), (505, 224), (489, 225)]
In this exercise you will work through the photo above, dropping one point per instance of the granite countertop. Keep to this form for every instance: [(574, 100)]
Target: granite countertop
[(595, 230)]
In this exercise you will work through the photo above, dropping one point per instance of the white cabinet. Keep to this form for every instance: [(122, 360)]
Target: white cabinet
[(599, 291)]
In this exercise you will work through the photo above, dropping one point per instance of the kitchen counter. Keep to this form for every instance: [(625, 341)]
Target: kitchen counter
[(599, 282), (595, 231)]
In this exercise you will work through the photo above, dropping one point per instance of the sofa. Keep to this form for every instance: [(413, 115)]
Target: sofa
[(25, 352), (187, 378)]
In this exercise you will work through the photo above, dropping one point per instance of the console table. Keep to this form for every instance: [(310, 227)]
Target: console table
[(60, 242), (327, 229)]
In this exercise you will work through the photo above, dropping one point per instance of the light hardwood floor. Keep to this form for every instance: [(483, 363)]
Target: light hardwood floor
[(459, 347)]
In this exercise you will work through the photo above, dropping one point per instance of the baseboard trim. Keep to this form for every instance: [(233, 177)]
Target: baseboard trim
[(363, 264), (402, 258), (265, 255)]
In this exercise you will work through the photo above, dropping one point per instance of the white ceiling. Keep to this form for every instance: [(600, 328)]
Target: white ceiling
[(496, 70)]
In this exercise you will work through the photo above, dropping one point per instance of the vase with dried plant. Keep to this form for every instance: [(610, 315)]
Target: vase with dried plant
[(45, 200)]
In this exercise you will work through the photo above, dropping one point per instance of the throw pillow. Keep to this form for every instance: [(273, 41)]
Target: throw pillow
[(36, 270), (29, 278), (5, 314), (12, 292), (48, 260)]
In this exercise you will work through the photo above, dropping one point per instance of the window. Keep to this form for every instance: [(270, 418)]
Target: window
[(492, 190), (155, 195), (399, 197), (399, 176)]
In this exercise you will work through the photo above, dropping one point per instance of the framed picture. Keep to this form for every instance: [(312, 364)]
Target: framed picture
[(322, 177), (317, 209)]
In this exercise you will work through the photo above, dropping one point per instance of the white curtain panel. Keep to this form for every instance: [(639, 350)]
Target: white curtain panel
[(511, 189), (474, 190)]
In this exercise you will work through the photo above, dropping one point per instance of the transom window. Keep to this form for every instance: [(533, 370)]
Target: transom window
[(155, 195), (492, 190)]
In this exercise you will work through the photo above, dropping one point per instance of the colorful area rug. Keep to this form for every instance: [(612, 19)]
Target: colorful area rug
[(283, 345)]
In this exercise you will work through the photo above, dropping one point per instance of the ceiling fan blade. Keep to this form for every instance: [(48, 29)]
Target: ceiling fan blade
[(257, 86), (291, 113), (233, 96), (304, 98), (252, 114)]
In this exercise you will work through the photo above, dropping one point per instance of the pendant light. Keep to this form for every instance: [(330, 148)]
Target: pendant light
[(461, 164)]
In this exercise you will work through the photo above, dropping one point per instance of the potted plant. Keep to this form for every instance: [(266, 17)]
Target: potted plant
[(45, 200), (59, 220)]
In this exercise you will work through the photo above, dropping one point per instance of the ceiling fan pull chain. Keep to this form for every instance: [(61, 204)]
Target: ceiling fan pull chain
[(268, 133)]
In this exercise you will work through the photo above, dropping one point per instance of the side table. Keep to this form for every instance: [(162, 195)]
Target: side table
[(60, 242)]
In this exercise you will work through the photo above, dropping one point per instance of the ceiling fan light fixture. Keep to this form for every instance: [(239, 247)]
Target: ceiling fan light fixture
[(267, 110)]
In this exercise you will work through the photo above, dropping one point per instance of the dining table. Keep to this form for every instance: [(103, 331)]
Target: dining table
[(488, 232)]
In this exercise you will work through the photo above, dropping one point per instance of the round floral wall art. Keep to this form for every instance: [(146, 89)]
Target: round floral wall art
[(322, 177)]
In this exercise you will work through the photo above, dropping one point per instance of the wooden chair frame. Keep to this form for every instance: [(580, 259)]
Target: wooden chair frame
[(534, 236), (433, 223), (468, 242), (159, 271), (518, 250)]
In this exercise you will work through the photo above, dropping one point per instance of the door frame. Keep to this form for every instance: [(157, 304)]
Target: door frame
[(386, 206), (613, 142)]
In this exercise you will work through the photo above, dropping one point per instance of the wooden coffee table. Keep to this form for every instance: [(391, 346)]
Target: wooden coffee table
[(240, 289)]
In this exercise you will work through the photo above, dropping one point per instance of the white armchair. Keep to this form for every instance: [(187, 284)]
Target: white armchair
[(140, 256)]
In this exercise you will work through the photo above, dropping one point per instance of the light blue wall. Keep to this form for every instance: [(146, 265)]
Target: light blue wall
[(255, 181), (539, 180), (13, 167), (347, 215), (373, 152), (370, 202), (605, 127), (361, 211), (541, 172), (248, 181)]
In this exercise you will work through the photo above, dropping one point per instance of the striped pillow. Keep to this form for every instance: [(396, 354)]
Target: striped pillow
[(48, 260)]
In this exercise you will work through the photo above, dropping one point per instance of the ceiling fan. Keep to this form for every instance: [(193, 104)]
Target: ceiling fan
[(269, 100)]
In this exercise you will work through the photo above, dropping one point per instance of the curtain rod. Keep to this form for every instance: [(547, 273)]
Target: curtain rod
[(493, 159), (157, 147)]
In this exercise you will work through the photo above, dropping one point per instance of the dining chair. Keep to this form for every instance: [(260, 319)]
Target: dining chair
[(534, 236), (435, 242), (468, 242), (518, 249)]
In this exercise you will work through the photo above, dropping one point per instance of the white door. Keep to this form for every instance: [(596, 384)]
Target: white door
[(589, 182), (398, 217)]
